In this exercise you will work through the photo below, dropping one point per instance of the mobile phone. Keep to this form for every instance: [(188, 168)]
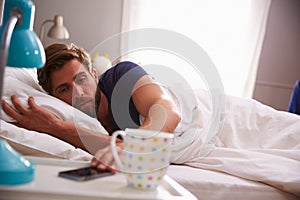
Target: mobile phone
[(84, 174)]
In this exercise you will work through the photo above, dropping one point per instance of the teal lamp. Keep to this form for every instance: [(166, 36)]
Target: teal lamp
[(20, 47)]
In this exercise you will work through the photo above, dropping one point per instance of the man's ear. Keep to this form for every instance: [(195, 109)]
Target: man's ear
[(95, 74)]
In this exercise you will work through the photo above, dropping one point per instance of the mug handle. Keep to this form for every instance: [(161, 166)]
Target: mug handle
[(114, 149)]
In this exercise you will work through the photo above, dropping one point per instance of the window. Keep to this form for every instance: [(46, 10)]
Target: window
[(231, 32)]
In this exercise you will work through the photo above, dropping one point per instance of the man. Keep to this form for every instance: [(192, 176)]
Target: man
[(69, 76)]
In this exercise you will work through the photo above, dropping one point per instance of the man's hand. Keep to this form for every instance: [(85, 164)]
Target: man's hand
[(32, 117), (104, 159)]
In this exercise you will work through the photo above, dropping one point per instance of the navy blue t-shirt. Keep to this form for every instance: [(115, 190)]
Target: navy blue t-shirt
[(117, 84)]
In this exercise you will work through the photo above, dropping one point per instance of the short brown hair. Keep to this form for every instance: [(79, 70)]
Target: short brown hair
[(57, 55)]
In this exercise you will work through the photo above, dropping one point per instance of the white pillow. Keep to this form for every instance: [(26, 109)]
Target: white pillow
[(23, 83), (33, 143)]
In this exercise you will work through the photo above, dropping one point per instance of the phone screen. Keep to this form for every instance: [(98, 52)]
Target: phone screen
[(84, 174)]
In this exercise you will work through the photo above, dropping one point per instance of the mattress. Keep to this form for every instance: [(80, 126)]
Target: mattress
[(213, 185)]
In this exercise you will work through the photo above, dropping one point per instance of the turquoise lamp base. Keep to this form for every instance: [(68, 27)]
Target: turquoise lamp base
[(14, 168)]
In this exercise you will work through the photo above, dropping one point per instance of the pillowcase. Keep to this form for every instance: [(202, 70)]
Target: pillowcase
[(31, 143), (23, 83)]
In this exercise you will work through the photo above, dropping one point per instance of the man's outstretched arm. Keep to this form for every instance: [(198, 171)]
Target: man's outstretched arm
[(39, 119)]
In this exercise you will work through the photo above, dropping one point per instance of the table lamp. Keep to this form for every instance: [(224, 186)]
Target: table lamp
[(57, 31), (20, 47)]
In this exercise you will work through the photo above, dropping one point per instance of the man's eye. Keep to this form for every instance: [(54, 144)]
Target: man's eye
[(80, 79), (63, 90)]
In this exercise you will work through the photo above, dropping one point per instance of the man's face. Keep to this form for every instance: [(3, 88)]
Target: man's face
[(74, 85)]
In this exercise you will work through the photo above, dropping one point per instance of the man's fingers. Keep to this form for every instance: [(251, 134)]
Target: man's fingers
[(94, 162), (97, 163), (18, 105), (103, 160), (31, 103), (107, 160), (9, 110)]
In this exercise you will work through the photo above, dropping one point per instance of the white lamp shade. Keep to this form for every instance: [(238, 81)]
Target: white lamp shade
[(58, 30)]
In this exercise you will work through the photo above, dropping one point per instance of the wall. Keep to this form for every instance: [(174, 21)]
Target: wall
[(279, 65), (89, 22)]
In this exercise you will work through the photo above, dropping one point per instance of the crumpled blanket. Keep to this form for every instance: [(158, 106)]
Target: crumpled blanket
[(254, 141)]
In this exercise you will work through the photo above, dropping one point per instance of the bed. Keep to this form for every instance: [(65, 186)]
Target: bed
[(213, 185), (212, 178)]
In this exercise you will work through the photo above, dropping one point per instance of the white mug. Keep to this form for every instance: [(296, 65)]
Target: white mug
[(145, 158)]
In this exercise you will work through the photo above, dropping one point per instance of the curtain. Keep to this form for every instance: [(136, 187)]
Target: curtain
[(231, 32)]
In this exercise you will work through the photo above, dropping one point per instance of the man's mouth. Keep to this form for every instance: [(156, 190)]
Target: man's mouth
[(82, 104)]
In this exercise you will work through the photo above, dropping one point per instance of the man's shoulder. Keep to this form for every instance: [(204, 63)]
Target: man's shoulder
[(116, 72), (125, 66)]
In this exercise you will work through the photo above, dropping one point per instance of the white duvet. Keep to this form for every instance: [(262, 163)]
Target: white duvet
[(255, 142)]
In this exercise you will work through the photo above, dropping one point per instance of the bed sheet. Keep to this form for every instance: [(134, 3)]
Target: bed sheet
[(213, 185), (255, 142)]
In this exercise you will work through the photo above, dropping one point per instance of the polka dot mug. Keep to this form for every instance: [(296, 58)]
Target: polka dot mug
[(145, 157)]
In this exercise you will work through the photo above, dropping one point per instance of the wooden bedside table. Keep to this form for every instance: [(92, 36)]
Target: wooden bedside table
[(47, 185)]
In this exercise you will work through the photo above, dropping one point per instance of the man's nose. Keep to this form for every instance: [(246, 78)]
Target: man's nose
[(77, 90)]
